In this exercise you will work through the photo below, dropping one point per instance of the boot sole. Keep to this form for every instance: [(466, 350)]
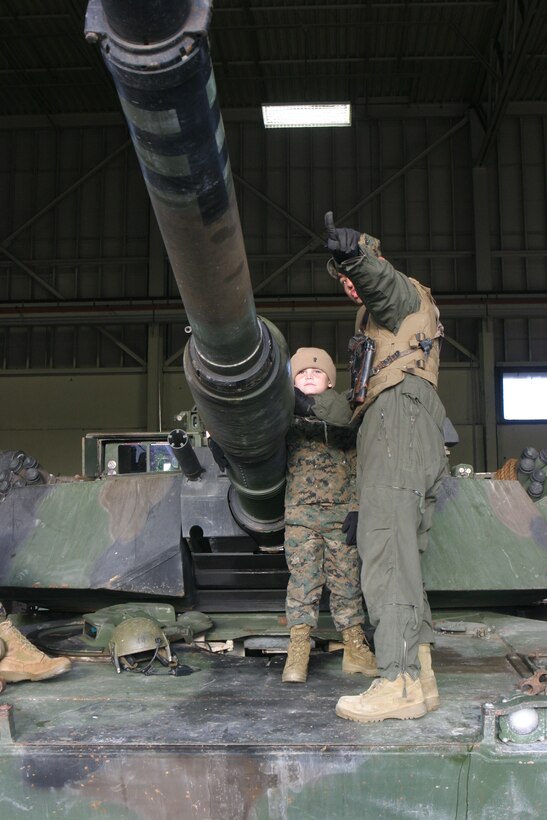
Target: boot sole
[(417, 710), (353, 670), (18, 677), (432, 704), (293, 680)]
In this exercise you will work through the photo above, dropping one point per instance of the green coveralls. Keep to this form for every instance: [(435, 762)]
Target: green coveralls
[(401, 463)]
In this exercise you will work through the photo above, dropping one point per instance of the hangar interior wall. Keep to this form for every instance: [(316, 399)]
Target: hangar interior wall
[(81, 259)]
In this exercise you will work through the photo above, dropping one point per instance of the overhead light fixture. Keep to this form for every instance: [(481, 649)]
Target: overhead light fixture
[(304, 115)]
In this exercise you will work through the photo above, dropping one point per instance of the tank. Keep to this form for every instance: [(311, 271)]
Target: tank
[(186, 527)]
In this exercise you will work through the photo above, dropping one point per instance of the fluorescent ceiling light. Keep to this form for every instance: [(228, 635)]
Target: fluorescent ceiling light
[(304, 115)]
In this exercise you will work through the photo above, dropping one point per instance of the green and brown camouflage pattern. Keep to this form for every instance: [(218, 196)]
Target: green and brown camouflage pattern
[(487, 535), (78, 544)]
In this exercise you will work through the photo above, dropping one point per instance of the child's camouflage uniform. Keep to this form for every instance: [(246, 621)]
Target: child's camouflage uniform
[(320, 492)]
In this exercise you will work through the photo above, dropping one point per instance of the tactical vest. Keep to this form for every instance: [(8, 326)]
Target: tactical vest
[(399, 353)]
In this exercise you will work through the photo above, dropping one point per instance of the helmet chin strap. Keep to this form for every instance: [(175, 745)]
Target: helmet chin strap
[(133, 666), (148, 666)]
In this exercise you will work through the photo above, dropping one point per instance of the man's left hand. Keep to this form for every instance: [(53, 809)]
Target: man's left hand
[(343, 243)]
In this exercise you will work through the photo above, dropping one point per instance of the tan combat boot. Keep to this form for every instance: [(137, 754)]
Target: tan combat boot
[(401, 698), (357, 655), (296, 666), (427, 678), (22, 661)]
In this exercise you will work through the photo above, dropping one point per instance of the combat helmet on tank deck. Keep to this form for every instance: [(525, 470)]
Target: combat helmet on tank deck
[(137, 642)]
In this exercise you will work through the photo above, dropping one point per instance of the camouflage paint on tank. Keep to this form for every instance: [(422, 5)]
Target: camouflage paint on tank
[(487, 536), (121, 533)]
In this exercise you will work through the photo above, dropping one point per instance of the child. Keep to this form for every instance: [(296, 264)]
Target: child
[(319, 495)]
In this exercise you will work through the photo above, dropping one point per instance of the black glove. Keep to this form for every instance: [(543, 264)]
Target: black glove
[(343, 243), (350, 528), (303, 404), (218, 454)]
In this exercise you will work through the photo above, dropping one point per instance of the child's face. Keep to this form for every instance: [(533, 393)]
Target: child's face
[(312, 381)]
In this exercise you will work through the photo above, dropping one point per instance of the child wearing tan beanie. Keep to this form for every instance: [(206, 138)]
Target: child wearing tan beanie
[(320, 494)]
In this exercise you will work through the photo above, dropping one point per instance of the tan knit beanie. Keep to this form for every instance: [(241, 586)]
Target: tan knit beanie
[(313, 357)]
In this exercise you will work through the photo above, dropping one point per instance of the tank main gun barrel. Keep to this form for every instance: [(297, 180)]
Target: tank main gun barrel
[(236, 363)]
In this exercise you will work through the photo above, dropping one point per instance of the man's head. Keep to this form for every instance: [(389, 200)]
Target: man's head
[(349, 289), (313, 370)]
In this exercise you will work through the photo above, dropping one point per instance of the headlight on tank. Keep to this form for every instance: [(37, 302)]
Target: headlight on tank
[(526, 722)]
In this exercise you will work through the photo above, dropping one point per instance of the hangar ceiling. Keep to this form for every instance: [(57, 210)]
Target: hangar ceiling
[(482, 53), (460, 56)]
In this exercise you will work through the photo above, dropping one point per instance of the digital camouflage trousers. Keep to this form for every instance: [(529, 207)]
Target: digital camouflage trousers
[(317, 555)]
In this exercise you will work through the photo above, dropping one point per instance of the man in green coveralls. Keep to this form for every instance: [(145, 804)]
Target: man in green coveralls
[(401, 463)]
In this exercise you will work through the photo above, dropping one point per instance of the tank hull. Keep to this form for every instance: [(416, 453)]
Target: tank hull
[(230, 741)]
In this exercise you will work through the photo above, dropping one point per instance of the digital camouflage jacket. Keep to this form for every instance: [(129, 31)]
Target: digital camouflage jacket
[(321, 462)]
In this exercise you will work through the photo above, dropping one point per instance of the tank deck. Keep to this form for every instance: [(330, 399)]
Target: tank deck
[(230, 741)]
